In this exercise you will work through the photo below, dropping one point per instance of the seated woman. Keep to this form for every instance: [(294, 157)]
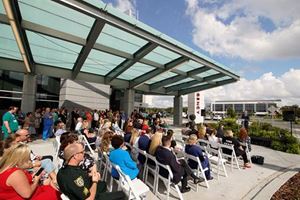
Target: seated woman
[(128, 129), (212, 138), (194, 150), (116, 128), (155, 142), (105, 144), (121, 157), (239, 151), (244, 139), (70, 138), (90, 136), (16, 182), (135, 135)]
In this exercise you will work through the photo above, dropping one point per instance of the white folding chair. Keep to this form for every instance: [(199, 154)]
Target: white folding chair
[(64, 197), (109, 171), (167, 181), (86, 143), (231, 156), (151, 167), (135, 189), (102, 164), (204, 145), (57, 145), (215, 157), (143, 166), (199, 170)]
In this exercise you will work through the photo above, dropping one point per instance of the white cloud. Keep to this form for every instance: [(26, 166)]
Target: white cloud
[(243, 35), (127, 6), (285, 87)]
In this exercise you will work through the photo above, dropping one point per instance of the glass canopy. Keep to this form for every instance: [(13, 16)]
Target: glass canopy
[(90, 40)]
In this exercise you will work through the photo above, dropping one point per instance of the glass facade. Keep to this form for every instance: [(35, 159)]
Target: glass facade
[(228, 106), (218, 107), (238, 108), (261, 107), (11, 84), (249, 108)]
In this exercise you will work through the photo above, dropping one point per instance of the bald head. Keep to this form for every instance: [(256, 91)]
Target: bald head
[(73, 150)]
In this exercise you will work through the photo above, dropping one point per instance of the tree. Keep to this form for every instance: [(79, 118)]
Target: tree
[(231, 113)]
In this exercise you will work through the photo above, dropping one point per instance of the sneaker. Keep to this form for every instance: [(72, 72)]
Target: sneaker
[(210, 178), (185, 189)]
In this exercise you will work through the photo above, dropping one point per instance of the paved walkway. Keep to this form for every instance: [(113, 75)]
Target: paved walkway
[(258, 182)]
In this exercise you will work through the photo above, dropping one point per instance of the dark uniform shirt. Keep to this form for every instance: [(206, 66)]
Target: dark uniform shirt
[(74, 182)]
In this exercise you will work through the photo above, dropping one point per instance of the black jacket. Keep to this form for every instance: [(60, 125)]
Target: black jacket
[(166, 157)]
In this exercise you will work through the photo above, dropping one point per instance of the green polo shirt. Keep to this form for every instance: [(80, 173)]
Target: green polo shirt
[(12, 122)]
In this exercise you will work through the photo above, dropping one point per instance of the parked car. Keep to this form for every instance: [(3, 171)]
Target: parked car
[(217, 117), (208, 117)]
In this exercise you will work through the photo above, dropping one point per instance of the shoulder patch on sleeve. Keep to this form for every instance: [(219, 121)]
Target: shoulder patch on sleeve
[(79, 181)]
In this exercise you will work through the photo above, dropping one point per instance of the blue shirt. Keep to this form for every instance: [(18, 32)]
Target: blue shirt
[(122, 158), (196, 151)]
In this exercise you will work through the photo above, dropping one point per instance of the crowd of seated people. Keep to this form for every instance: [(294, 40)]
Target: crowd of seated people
[(107, 132), (240, 144)]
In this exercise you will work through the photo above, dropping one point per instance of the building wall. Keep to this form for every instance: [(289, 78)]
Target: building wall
[(79, 94), (196, 105), (255, 107)]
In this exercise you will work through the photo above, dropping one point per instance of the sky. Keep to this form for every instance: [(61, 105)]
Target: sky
[(258, 39)]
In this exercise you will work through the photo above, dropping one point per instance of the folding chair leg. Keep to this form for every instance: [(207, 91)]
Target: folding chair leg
[(168, 191), (224, 169), (206, 182), (179, 192)]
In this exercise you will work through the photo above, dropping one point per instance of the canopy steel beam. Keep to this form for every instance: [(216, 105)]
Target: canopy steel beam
[(80, 41), (18, 66), (205, 87), (90, 42), (126, 64), (194, 82), (92, 11), (173, 64), (180, 77), (164, 82), (15, 20)]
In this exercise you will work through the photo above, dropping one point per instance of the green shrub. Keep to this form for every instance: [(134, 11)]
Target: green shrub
[(266, 126), (230, 123), (276, 145), (293, 148)]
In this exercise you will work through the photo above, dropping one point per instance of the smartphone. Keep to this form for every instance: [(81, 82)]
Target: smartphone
[(39, 172)]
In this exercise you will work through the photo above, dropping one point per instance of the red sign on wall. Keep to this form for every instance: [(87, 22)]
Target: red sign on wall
[(198, 109)]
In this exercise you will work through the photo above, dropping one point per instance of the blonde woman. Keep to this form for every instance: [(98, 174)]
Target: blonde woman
[(105, 144), (135, 135), (155, 142), (202, 132), (16, 182)]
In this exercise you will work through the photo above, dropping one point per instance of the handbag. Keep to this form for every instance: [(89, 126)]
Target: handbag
[(257, 159)]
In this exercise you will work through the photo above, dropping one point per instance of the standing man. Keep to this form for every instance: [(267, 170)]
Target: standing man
[(10, 123), (48, 123), (246, 120), (95, 123)]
